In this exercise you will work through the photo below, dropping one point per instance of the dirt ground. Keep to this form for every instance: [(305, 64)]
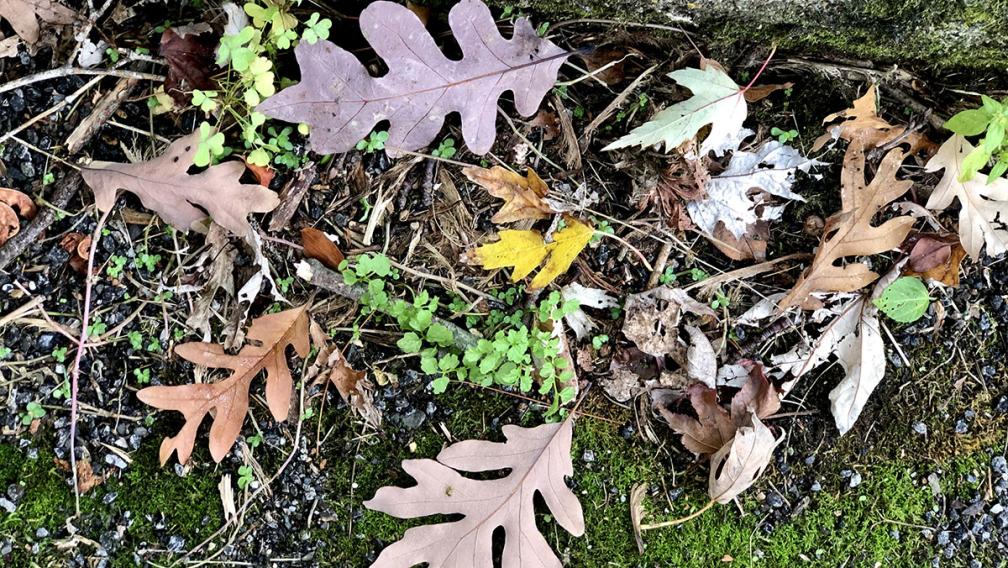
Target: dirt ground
[(920, 481)]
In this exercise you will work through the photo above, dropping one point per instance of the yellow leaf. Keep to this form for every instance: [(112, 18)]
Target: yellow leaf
[(523, 196), (525, 250)]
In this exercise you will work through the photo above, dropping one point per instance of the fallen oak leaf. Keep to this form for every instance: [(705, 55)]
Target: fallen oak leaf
[(523, 196), (537, 459), (849, 232), (24, 16), (861, 125), (341, 101), (523, 251), (737, 465), (164, 185), (716, 101), (229, 397), (983, 202), (11, 199)]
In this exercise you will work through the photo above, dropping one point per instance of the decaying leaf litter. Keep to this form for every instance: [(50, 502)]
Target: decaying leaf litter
[(636, 254)]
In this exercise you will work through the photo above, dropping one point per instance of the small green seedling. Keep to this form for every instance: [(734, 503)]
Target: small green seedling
[(5, 352), (142, 376), (244, 476), (783, 136), (316, 29), (115, 267), (33, 411), (905, 300), (991, 120), (204, 100), (211, 145), (113, 54), (96, 328), (136, 340), (446, 149), (59, 354), (599, 340), (374, 142)]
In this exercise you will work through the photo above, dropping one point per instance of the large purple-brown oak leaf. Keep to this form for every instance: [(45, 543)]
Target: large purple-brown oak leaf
[(341, 101), (537, 459)]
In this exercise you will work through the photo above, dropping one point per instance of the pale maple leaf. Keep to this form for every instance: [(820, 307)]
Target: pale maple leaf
[(716, 101), (537, 459), (164, 185), (983, 203), (526, 250), (729, 199), (341, 101), (229, 397), (24, 15)]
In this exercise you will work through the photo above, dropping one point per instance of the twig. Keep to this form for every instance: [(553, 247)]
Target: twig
[(681, 520), (66, 71), (99, 115), (82, 345), (65, 189)]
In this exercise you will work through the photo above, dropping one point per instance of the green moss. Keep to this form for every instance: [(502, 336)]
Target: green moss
[(190, 505)]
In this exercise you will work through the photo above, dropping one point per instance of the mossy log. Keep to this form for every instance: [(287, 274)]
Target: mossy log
[(940, 35)]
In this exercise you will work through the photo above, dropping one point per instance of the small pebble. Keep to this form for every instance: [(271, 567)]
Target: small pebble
[(920, 428)]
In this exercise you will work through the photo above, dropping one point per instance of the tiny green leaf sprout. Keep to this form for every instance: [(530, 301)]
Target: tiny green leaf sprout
[(783, 136), (991, 120), (446, 149), (211, 145), (204, 100), (905, 300), (316, 29), (374, 142)]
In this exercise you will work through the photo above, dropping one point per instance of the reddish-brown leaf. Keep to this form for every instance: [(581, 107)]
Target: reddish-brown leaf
[(79, 247), (318, 246), (190, 61), (11, 199), (229, 398), (937, 257), (263, 174), (86, 477)]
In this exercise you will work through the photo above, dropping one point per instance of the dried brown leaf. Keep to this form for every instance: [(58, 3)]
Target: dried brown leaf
[(652, 318), (318, 246), (24, 16), (164, 185), (342, 101), (11, 199), (937, 257), (86, 477), (229, 398), (523, 196), (537, 459), (737, 465), (79, 247), (760, 92), (863, 127), (850, 232), (190, 55)]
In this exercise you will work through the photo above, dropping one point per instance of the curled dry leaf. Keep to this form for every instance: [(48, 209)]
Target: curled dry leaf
[(342, 101), (701, 361), (936, 257), (524, 251), (652, 318), (24, 16), (189, 52), (537, 459), (79, 247), (318, 246), (353, 386), (862, 126), (86, 477), (11, 199), (578, 320), (850, 232), (714, 427), (165, 186), (523, 196), (219, 276), (737, 465), (229, 397)]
